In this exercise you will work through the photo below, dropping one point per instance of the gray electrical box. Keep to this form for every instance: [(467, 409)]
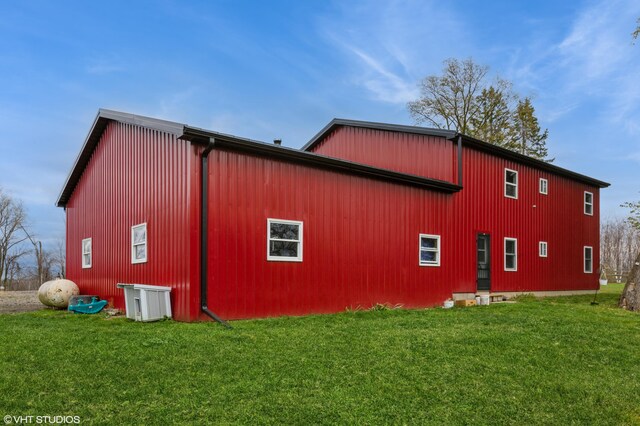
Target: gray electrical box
[(145, 302)]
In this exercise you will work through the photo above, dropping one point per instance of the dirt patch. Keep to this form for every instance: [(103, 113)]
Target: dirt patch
[(19, 301)]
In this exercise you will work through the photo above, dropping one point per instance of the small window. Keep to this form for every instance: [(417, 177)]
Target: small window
[(139, 243), (544, 186), (510, 254), (542, 249), (588, 259), (86, 253), (588, 203), (429, 250), (284, 240), (510, 183)]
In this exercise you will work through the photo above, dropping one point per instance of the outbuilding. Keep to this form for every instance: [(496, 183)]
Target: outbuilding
[(364, 213)]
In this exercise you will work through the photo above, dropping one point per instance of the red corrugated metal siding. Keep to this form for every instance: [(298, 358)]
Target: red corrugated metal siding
[(361, 236), (421, 155), (557, 218), (136, 175), (360, 240)]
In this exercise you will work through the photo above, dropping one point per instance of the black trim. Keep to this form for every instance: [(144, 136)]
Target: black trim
[(529, 161), (336, 122), (459, 160), (197, 135), (204, 233), (451, 135)]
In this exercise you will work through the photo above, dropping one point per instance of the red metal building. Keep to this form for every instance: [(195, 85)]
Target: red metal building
[(365, 213)]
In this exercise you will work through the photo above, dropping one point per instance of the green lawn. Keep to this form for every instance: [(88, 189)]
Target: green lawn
[(552, 361)]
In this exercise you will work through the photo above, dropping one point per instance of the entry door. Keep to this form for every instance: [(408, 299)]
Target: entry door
[(483, 257)]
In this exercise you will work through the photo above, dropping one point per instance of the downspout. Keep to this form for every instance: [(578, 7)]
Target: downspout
[(204, 234), (459, 160)]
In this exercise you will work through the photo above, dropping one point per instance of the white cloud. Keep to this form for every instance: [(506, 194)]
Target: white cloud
[(634, 156), (173, 104), (390, 46), (599, 62), (594, 65), (383, 83), (105, 65)]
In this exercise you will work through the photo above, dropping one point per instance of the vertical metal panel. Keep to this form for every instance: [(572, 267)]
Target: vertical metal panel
[(361, 235), (135, 175), (422, 155)]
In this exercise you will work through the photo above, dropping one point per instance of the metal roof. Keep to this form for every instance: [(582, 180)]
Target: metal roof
[(336, 122), (452, 135)]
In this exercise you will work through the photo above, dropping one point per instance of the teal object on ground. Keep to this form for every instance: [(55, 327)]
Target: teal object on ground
[(93, 307)]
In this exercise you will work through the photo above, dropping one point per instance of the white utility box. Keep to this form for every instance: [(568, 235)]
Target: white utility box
[(145, 302)]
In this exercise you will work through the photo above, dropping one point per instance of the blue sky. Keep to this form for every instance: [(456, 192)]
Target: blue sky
[(268, 70)]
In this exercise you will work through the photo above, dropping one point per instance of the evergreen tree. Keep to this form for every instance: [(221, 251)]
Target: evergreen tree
[(492, 122), (526, 136)]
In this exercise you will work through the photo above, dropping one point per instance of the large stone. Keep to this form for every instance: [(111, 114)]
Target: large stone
[(56, 293)]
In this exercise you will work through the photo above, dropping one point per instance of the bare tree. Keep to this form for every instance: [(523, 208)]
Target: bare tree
[(59, 259), (12, 217), (630, 297), (618, 244), (43, 258), (449, 101), (14, 269)]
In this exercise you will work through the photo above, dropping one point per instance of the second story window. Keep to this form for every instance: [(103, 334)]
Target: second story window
[(542, 249), (510, 183), (588, 203), (544, 186)]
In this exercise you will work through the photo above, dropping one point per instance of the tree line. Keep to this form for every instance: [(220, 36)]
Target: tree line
[(24, 263)]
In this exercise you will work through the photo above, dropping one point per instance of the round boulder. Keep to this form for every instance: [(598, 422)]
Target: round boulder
[(56, 293)]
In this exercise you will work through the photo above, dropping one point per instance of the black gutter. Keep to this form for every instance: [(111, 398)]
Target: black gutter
[(317, 160), (204, 234), (459, 160), (480, 145)]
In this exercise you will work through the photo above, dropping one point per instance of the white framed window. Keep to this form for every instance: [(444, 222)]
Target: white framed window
[(510, 254), (139, 243), (429, 249), (588, 259), (588, 203), (542, 249), (86, 253), (510, 183), (284, 240), (543, 186)]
